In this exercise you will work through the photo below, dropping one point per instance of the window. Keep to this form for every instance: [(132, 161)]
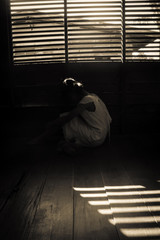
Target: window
[(85, 30), (37, 31), (94, 30), (142, 29)]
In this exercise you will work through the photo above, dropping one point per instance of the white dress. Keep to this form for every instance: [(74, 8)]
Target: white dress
[(90, 128)]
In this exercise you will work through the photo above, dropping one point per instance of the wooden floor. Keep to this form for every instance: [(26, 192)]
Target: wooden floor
[(108, 193)]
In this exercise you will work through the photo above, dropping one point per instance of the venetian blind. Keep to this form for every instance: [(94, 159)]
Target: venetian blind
[(94, 30), (37, 31), (85, 31), (142, 30)]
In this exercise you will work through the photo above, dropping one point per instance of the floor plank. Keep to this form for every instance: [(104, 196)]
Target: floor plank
[(54, 216), (18, 215), (133, 217), (88, 189)]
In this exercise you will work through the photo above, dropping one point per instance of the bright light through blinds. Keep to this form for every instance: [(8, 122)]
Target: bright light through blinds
[(37, 31), (142, 30), (60, 31), (94, 30)]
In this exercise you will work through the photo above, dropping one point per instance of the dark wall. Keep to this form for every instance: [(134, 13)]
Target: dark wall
[(142, 98), (4, 54)]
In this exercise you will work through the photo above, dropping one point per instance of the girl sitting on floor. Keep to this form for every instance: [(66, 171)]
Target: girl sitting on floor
[(87, 125)]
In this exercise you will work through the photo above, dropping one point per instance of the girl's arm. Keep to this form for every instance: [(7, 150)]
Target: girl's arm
[(62, 120), (59, 122)]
